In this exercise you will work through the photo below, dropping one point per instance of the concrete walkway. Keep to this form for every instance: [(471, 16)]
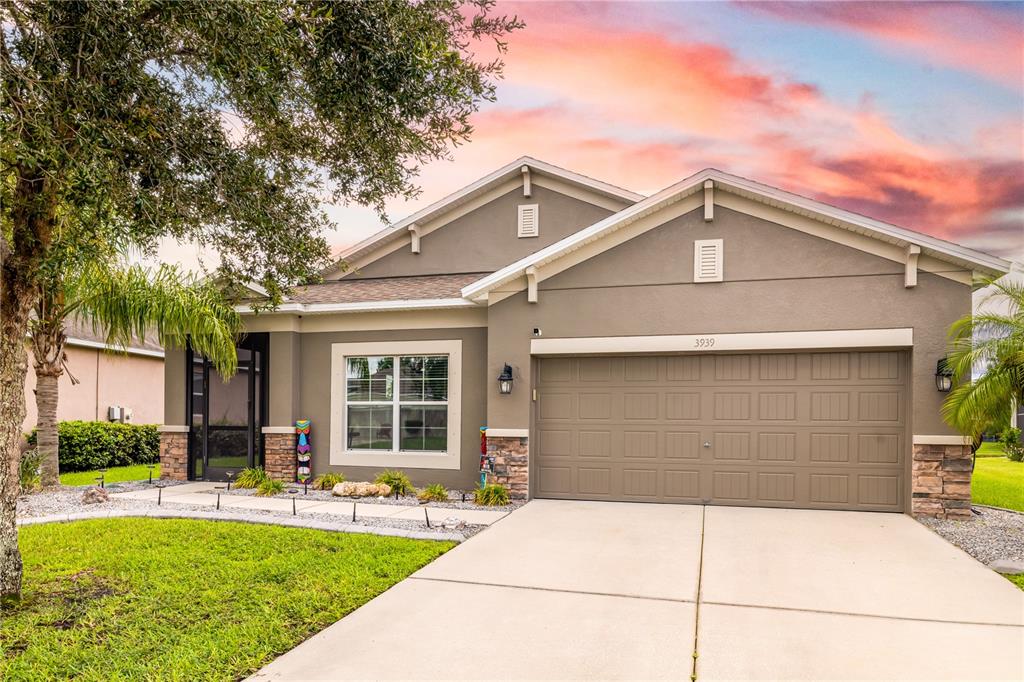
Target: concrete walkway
[(591, 590), (203, 494)]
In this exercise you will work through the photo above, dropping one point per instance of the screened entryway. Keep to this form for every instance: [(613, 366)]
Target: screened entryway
[(225, 418)]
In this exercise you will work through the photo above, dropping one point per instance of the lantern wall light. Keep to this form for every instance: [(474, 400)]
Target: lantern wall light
[(505, 380), (943, 376)]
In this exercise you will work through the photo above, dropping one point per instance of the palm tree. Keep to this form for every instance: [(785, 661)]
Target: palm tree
[(123, 302), (992, 340)]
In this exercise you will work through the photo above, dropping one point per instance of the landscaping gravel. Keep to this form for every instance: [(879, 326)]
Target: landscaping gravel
[(991, 535)]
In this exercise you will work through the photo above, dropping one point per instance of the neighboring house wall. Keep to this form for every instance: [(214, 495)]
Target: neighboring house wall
[(775, 279), (485, 239), (106, 378)]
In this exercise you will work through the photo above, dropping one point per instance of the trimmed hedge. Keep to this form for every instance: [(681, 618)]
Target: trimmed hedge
[(85, 446)]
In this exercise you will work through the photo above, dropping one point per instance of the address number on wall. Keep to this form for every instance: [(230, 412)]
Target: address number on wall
[(704, 342)]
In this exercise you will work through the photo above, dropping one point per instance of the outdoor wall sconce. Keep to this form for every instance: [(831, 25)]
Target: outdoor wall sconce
[(943, 376), (505, 380)]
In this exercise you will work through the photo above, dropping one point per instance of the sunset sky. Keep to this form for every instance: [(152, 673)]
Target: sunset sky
[(907, 112)]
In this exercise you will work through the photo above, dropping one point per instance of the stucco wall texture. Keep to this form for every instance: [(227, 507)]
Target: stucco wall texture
[(132, 381)]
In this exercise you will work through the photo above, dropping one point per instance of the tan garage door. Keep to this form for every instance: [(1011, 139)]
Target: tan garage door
[(813, 430)]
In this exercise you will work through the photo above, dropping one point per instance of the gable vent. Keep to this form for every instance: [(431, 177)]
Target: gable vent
[(707, 260), (529, 224)]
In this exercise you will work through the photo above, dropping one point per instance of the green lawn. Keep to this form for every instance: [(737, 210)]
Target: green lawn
[(186, 600), (991, 449), (998, 482), (135, 472), (1017, 580)]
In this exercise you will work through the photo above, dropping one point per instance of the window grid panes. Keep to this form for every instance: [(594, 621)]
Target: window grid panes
[(418, 404)]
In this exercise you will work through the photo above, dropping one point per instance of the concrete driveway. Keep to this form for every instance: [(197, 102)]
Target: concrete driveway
[(597, 590)]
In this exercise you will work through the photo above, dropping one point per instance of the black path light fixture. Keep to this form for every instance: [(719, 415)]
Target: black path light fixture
[(943, 376), (505, 380)]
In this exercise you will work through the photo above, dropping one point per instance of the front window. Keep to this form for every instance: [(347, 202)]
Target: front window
[(410, 391)]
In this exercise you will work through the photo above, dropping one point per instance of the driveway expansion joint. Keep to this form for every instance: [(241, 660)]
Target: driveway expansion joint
[(913, 619), (536, 588)]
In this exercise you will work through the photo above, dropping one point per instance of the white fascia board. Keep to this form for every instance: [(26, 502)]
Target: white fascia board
[(85, 343), (961, 255), (511, 170), (902, 337), (362, 306)]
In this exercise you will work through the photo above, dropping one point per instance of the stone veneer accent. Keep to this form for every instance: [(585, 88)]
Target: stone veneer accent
[(941, 481), (174, 455), (279, 456), (511, 464)]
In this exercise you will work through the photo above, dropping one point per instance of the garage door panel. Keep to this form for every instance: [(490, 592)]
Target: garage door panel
[(823, 430)]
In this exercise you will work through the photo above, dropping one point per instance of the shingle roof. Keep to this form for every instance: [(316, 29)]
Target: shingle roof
[(77, 329), (356, 290)]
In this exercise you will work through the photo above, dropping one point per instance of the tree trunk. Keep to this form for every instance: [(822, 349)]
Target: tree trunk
[(13, 366), (46, 425)]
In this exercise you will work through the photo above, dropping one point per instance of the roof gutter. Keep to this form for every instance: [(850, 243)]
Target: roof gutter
[(361, 307)]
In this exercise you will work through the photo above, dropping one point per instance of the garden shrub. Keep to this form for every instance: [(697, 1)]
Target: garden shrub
[(28, 474), (492, 495), (251, 477), (1010, 439), (399, 482), (434, 493), (85, 445), (269, 488), (328, 481)]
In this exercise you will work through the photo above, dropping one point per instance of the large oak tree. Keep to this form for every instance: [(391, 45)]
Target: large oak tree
[(222, 123)]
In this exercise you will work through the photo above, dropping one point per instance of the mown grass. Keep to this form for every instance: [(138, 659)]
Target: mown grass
[(991, 449), (135, 472), (998, 482), (1017, 580), (186, 600)]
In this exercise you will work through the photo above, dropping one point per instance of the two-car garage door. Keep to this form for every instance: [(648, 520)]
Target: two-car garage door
[(809, 430)]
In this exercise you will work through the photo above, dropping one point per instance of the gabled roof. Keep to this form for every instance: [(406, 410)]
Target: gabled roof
[(948, 251), (469, 192)]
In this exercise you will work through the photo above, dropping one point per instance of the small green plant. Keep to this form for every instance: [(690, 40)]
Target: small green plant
[(433, 493), (492, 495), (269, 488), (327, 481), (28, 474), (399, 482), (1010, 439), (251, 477)]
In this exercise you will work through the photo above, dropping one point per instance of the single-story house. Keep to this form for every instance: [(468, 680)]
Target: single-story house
[(719, 342), (110, 383)]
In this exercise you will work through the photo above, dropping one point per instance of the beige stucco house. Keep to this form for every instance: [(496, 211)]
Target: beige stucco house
[(719, 342), (130, 378)]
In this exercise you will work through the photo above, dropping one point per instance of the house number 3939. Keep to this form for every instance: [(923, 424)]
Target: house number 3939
[(704, 342)]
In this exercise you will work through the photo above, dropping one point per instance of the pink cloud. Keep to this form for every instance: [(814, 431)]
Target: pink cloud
[(965, 36)]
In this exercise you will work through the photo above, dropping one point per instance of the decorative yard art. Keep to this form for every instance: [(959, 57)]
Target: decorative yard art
[(302, 451)]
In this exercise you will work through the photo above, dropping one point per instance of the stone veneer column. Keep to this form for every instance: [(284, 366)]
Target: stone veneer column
[(174, 455), (511, 464), (279, 456), (941, 481)]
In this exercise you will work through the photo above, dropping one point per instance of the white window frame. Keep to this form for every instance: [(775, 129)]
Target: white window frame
[(719, 246), (398, 459)]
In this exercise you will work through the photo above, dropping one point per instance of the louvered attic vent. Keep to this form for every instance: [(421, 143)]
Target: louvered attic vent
[(529, 223), (707, 260)]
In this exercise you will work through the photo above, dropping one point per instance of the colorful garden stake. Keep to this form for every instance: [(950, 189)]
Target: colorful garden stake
[(302, 451)]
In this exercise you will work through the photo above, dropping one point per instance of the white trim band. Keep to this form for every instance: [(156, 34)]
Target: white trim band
[(363, 306), (171, 428), (278, 429), (85, 343), (941, 440), (706, 343), (508, 433)]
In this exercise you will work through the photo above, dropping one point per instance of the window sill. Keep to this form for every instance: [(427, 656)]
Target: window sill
[(397, 460)]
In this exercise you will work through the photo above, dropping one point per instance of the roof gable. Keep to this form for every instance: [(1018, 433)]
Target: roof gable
[(481, 192), (688, 194)]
